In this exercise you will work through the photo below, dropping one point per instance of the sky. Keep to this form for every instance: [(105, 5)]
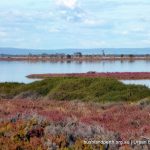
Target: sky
[(59, 24)]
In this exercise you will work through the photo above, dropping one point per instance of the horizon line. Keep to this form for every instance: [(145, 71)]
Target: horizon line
[(74, 48)]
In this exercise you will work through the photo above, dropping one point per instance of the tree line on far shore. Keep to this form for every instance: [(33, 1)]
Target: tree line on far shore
[(77, 54)]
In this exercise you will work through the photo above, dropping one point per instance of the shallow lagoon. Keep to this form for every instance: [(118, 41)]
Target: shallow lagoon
[(137, 82), (16, 71)]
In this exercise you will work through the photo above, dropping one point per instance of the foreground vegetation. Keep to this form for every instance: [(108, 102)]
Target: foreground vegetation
[(63, 112), (65, 125), (75, 88)]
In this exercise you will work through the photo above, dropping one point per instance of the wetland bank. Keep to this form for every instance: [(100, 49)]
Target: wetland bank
[(60, 103), (62, 112)]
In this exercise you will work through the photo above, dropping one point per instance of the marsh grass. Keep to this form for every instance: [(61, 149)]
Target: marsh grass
[(77, 88)]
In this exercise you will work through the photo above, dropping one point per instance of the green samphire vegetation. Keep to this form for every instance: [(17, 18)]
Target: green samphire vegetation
[(75, 88)]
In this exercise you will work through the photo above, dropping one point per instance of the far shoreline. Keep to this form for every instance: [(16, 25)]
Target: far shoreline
[(74, 57)]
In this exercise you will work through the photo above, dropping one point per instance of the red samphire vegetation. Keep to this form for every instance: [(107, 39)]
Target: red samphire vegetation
[(116, 75), (26, 124)]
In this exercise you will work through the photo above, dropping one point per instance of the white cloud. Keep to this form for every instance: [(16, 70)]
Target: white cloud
[(70, 10), (14, 15), (53, 30), (124, 32), (147, 41), (71, 4), (93, 43), (126, 23), (47, 28), (3, 34), (138, 29), (93, 21), (90, 21)]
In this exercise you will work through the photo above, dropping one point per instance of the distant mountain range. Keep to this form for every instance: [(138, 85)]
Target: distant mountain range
[(23, 51)]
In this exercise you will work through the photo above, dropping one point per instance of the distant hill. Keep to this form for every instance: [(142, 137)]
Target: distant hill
[(22, 51), (18, 51)]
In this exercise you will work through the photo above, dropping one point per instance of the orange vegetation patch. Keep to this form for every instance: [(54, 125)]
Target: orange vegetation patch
[(126, 119)]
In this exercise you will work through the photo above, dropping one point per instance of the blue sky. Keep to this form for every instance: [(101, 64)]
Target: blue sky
[(55, 24)]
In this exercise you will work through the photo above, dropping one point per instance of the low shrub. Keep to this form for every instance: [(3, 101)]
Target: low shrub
[(76, 88)]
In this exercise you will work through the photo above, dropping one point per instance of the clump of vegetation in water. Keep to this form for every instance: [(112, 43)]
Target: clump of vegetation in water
[(76, 88)]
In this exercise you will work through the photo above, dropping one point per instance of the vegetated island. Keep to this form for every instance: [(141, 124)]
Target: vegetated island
[(65, 112), (116, 75), (73, 57), (72, 88)]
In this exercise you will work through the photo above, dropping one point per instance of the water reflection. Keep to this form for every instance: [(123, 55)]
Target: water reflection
[(17, 70)]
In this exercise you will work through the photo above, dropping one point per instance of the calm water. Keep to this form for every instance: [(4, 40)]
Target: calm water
[(16, 71), (137, 82)]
